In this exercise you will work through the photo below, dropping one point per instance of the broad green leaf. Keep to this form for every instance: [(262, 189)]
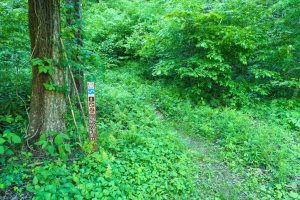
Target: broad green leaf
[(58, 140), (35, 180), (15, 138), (6, 132), (2, 140), (294, 195), (51, 149), (43, 137), (44, 145), (37, 61), (49, 86)]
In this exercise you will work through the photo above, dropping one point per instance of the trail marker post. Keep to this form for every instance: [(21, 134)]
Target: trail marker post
[(92, 113)]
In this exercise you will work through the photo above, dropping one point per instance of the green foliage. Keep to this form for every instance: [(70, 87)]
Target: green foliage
[(15, 175), (14, 56), (54, 87), (49, 86), (216, 55), (44, 65), (283, 112), (55, 144), (10, 137), (231, 53), (259, 139), (116, 21), (138, 158), (234, 53), (7, 140)]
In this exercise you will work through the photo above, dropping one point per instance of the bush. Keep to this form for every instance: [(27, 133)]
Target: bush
[(107, 26), (229, 53)]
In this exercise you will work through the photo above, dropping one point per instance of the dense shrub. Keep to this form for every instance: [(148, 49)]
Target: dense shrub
[(231, 52), (107, 26)]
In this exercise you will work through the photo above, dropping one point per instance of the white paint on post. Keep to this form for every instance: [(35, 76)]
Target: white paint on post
[(92, 113)]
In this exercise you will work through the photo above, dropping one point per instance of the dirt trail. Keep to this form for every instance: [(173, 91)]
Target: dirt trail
[(215, 179)]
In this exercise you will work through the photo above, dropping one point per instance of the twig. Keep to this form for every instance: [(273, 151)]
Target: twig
[(73, 116), (73, 80)]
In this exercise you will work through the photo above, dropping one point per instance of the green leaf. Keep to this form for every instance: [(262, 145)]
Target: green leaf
[(44, 144), (62, 153), (43, 137), (42, 69), (67, 147), (46, 69), (44, 65), (66, 137), (9, 119), (2, 140), (15, 138), (35, 180), (9, 152), (37, 61), (49, 86), (47, 195), (51, 150), (7, 135), (6, 132), (58, 140)]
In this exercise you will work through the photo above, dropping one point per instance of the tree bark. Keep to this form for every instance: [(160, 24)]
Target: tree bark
[(47, 107)]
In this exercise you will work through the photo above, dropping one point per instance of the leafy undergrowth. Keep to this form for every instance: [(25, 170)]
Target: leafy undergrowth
[(261, 142), (246, 154), (139, 157), (155, 144), (256, 152)]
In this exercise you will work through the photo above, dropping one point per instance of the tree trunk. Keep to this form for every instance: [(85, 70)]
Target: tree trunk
[(47, 107)]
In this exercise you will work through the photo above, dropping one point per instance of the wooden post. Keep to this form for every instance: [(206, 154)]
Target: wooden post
[(92, 113)]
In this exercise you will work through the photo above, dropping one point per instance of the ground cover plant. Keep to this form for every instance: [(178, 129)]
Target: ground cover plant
[(194, 99)]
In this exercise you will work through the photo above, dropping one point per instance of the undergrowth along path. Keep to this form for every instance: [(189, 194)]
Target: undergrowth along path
[(155, 111), (215, 180)]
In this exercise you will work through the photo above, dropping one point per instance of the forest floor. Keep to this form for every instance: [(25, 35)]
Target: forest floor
[(154, 144), (215, 180)]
